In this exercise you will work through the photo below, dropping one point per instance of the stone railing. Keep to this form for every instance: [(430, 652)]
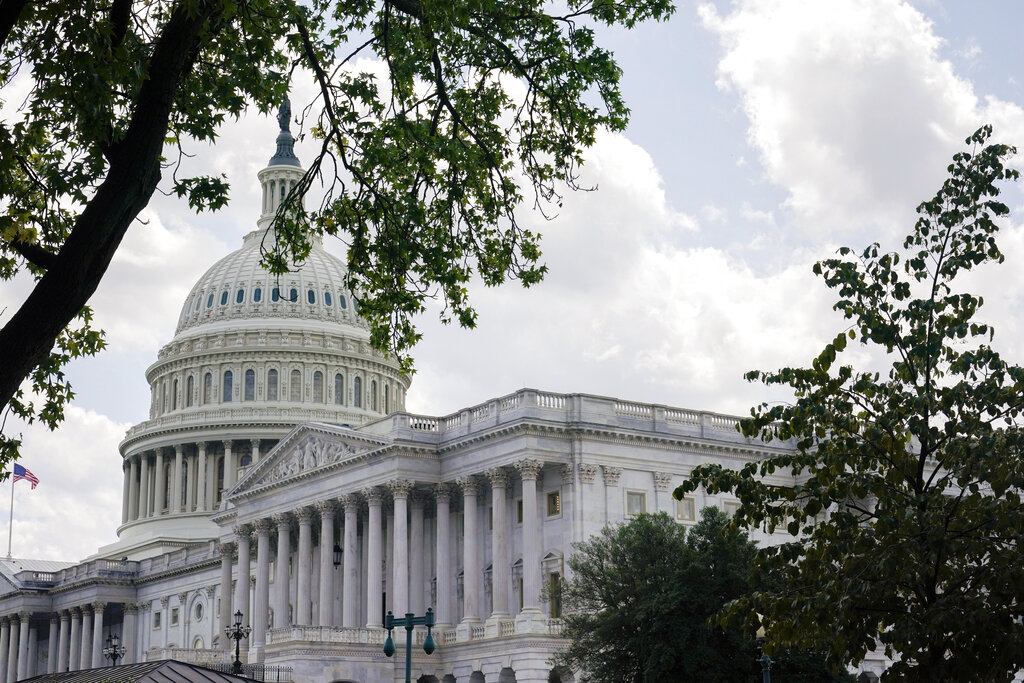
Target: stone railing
[(327, 634), (203, 657), (375, 636)]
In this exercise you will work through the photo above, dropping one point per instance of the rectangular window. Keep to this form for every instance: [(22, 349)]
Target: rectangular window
[(730, 507), (636, 502), (519, 511), (686, 510), (555, 591), (554, 503), (174, 616), (156, 620), (490, 518), (519, 585)]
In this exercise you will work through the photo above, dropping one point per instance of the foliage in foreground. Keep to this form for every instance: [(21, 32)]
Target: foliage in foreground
[(918, 469), (639, 600), (479, 107)]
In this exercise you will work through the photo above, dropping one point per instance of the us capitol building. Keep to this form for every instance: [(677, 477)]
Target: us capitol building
[(279, 475)]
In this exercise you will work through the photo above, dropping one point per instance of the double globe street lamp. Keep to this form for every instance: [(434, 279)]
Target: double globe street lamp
[(409, 621)]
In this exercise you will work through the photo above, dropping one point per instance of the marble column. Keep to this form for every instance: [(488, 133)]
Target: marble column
[(399, 584), (226, 551), (64, 642), (350, 579), (260, 610), (470, 552), (126, 492), (12, 651), (281, 578), (201, 477), (51, 643), (529, 470), (161, 484), (374, 568), (255, 443), (327, 569), (23, 642), (75, 643), (143, 485), (97, 633), (5, 644), (190, 484), (85, 643), (499, 543), (133, 489), (242, 577), (32, 654), (179, 457), (303, 607), (129, 631), (417, 575), (229, 467), (442, 558)]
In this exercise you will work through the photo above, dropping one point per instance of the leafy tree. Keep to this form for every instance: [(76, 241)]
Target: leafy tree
[(482, 105), (907, 516), (640, 596)]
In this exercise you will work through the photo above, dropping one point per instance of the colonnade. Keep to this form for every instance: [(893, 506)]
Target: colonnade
[(185, 476), (74, 640), (363, 579)]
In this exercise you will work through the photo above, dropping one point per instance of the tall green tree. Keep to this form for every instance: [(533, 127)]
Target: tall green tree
[(639, 600), (484, 104), (907, 518)]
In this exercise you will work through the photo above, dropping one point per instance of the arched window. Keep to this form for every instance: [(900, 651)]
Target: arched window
[(295, 386), (163, 397), (239, 296), (318, 386), (357, 392), (339, 389), (272, 385), (189, 389), (250, 386), (373, 395), (246, 460), (327, 298), (387, 403), (226, 397), (311, 296), (168, 476), (293, 295), (341, 301), (275, 294), (224, 298), (257, 294), (209, 301), (174, 396), (207, 387)]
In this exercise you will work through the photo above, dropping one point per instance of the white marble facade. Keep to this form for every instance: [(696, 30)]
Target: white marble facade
[(279, 475)]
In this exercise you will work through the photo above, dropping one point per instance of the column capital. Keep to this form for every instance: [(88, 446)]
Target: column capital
[(529, 469), (263, 526), (611, 475), (283, 519), (418, 499), (86, 610), (567, 472), (227, 549), (227, 444), (243, 530), (326, 507), (182, 598), (350, 501), (255, 444), (131, 608), (662, 481), (443, 492), (54, 617), (498, 477), (587, 473), (65, 615), (201, 445), (76, 612), (470, 485), (98, 606), (305, 514), (400, 488), (179, 449), (373, 495), (210, 591), (164, 601)]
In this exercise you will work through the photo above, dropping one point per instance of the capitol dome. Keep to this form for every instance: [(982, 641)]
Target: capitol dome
[(254, 354)]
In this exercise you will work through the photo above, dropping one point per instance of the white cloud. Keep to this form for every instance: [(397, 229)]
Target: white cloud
[(850, 107)]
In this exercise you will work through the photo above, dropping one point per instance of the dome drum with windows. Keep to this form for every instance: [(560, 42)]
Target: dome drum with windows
[(254, 354)]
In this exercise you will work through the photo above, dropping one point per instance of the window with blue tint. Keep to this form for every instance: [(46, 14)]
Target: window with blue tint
[(239, 296), (311, 296), (257, 294), (226, 396), (275, 294), (250, 386), (357, 392), (293, 295), (341, 301), (339, 388), (224, 298), (272, 385), (209, 301), (327, 298)]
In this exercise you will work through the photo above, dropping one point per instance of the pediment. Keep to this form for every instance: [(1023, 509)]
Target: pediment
[(308, 449)]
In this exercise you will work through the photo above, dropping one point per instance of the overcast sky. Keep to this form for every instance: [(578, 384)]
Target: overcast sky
[(764, 135)]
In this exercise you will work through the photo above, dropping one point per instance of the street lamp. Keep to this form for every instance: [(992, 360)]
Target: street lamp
[(408, 622), (337, 555), (114, 649), (766, 661), (236, 632)]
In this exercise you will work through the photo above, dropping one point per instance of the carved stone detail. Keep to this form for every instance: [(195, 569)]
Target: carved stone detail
[(587, 473), (373, 495), (529, 469), (400, 488), (499, 477), (305, 515), (611, 475), (567, 474), (662, 481), (443, 492), (312, 453)]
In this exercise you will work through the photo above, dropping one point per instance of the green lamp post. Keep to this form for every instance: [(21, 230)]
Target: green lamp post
[(409, 621)]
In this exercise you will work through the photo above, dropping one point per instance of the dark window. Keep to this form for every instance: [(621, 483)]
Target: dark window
[(373, 395), (327, 298), (189, 388), (341, 301), (226, 397), (293, 295), (250, 386), (339, 389), (272, 385), (257, 294), (239, 296), (387, 402), (224, 298), (207, 387), (209, 301), (357, 392), (275, 294), (311, 296), (318, 386), (295, 386), (174, 396)]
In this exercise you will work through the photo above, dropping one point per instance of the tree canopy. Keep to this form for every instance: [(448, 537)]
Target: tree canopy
[(637, 605), (484, 106), (907, 518)]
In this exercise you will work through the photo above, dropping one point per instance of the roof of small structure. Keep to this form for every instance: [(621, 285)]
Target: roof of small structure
[(164, 671)]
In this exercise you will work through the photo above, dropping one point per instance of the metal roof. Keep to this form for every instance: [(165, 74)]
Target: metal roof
[(165, 671)]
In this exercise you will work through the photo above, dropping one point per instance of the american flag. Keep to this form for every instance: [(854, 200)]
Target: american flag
[(22, 473)]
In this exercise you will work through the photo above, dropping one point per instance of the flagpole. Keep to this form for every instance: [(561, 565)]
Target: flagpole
[(10, 527)]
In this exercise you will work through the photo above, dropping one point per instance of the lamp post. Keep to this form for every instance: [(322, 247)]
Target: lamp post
[(236, 632), (337, 555), (408, 621), (114, 649), (764, 659)]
